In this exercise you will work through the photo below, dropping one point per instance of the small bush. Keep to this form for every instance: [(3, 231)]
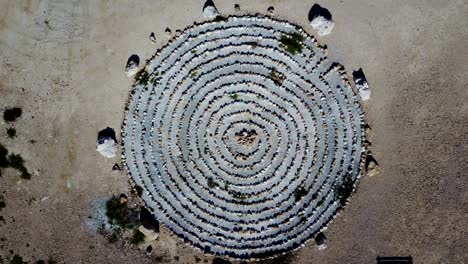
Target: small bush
[(11, 132), (118, 213), (11, 114), (277, 77), (211, 183), (3, 157), (142, 77), (2, 203), (299, 193), (344, 190), (16, 161), (137, 238), (234, 96), (292, 43), (17, 260)]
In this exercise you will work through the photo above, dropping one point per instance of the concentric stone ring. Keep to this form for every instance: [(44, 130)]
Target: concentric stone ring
[(244, 143)]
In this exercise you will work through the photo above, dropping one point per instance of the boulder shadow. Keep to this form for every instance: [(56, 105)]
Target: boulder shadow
[(317, 10), (106, 133)]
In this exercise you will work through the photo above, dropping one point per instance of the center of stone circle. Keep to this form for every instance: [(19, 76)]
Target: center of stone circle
[(246, 137)]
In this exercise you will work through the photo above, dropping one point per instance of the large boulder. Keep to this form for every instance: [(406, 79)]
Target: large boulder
[(372, 166), (106, 143), (209, 10), (321, 241), (321, 20), (133, 65), (150, 235), (362, 85)]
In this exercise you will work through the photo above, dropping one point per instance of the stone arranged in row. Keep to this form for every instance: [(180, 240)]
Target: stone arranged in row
[(241, 146)]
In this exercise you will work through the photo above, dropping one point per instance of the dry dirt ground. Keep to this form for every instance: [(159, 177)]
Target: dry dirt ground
[(63, 63)]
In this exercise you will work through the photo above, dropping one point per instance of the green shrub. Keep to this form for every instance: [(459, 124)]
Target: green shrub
[(3, 157), (17, 260), (277, 77), (137, 238), (234, 96), (299, 193), (344, 190), (211, 183), (16, 161), (292, 43), (11, 114), (11, 132), (142, 77), (117, 212)]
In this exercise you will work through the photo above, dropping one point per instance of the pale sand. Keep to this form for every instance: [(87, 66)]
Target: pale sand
[(69, 75)]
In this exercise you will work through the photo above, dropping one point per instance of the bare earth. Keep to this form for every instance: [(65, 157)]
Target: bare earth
[(63, 63)]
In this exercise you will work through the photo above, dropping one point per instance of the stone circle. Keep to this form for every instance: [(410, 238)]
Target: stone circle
[(242, 145)]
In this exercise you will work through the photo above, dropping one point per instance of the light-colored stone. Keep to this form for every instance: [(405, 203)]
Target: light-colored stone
[(322, 25), (210, 12), (372, 169), (363, 88), (150, 235), (132, 67), (107, 147)]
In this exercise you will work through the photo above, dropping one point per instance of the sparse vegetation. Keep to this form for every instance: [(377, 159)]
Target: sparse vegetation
[(11, 132), (238, 195), (118, 213), (2, 203), (277, 77), (17, 260), (211, 183), (13, 161), (292, 43), (11, 114), (234, 96), (193, 74), (138, 190), (142, 77), (344, 190), (299, 193), (137, 238)]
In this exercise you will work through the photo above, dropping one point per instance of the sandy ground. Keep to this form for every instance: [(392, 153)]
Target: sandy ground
[(63, 63)]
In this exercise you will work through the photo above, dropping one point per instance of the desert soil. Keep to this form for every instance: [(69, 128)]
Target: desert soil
[(63, 63)]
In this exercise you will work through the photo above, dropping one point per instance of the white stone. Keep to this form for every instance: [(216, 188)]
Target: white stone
[(210, 12), (107, 147), (322, 25), (131, 68), (150, 235), (363, 88)]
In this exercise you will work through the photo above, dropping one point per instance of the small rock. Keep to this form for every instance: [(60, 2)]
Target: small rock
[(271, 9), (237, 8), (209, 10), (178, 32), (168, 32), (321, 20), (123, 198), (362, 85), (372, 167), (152, 37), (116, 167), (106, 143), (150, 235), (321, 241), (133, 64)]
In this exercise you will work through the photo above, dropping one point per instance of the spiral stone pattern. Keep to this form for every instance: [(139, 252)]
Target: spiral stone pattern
[(229, 127)]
